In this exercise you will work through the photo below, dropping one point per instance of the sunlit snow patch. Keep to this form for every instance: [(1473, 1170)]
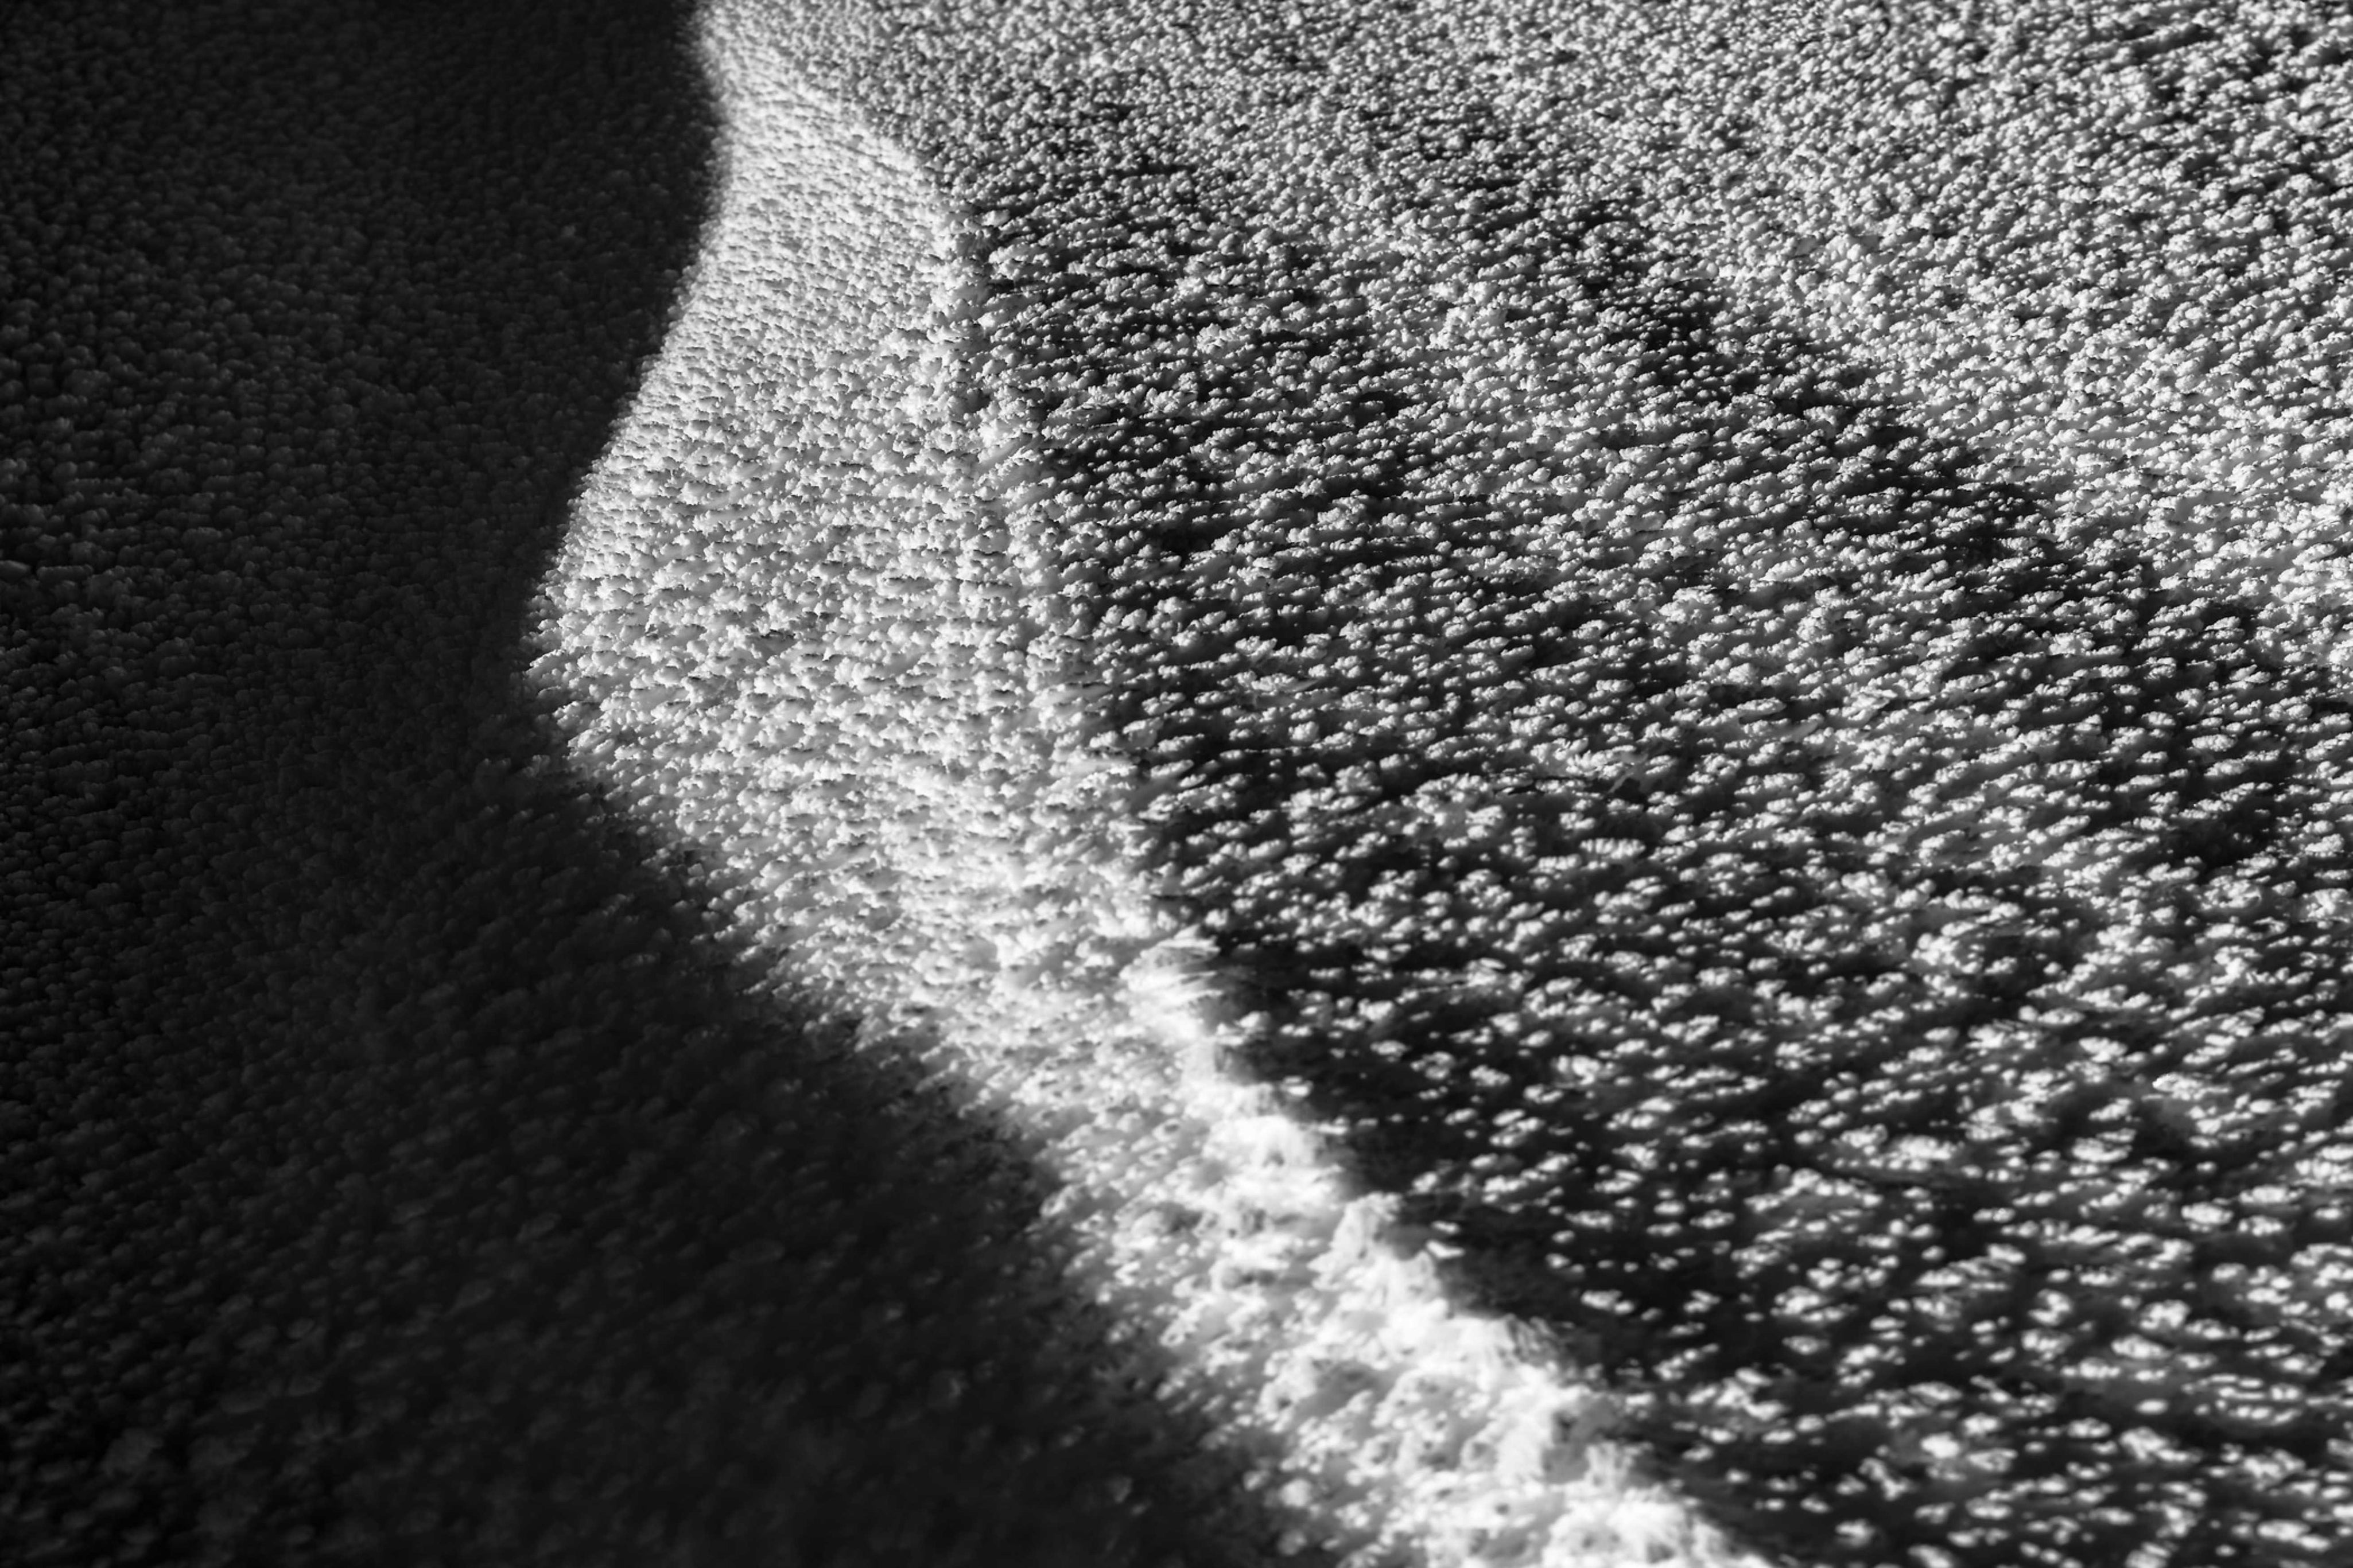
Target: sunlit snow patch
[(803, 629)]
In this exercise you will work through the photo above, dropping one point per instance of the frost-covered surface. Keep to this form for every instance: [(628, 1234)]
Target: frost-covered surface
[(808, 620), (2103, 244), (1727, 614), (1723, 619)]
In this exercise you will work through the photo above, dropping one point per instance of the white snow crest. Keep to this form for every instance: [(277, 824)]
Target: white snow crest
[(807, 625)]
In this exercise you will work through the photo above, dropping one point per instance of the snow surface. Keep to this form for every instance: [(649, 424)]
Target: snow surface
[(1412, 780), (801, 633), (1728, 616)]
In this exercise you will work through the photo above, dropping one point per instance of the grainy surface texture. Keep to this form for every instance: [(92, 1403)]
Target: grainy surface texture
[(1093, 782)]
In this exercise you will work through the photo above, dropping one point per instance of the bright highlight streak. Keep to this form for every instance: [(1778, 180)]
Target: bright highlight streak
[(806, 631)]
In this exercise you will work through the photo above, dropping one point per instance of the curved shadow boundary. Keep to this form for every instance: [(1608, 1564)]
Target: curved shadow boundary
[(392, 1166)]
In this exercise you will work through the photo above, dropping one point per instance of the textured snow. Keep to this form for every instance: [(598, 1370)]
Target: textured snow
[(804, 627), (1400, 781), (1727, 614)]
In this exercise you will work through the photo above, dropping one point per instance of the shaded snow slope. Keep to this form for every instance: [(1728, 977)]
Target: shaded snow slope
[(396, 1167)]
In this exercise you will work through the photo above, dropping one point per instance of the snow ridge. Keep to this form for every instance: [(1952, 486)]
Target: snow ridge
[(807, 625)]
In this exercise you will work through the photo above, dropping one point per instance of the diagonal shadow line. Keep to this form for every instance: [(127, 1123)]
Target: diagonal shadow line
[(394, 1168)]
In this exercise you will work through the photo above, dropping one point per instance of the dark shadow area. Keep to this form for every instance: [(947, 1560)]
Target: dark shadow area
[(1840, 942), (393, 1167)]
